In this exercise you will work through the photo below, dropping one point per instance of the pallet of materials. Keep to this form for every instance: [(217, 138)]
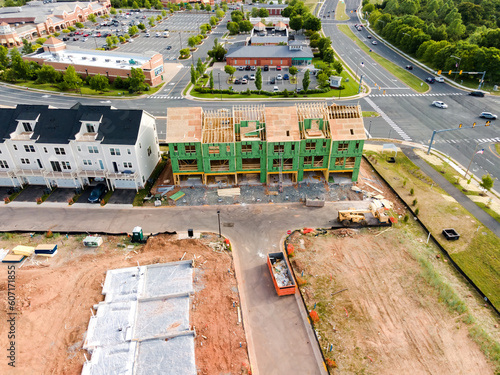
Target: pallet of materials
[(92, 241), (13, 258), (23, 250), (177, 196), (47, 250), (230, 192)]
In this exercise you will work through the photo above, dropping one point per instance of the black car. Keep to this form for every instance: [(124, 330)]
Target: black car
[(246, 77), (97, 193), (430, 79), (477, 93), (369, 36), (409, 67), (247, 67), (169, 48), (237, 82), (65, 39), (273, 81), (266, 68), (75, 38)]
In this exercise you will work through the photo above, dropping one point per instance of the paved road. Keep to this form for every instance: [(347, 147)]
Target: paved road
[(274, 325)]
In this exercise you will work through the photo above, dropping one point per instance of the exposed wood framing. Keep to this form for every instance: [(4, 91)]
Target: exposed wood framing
[(344, 111), (314, 110), (218, 126), (250, 113)]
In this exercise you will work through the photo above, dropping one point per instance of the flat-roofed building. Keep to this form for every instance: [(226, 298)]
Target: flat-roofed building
[(93, 62)]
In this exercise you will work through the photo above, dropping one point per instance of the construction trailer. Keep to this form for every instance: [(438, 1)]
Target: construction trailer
[(264, 144)]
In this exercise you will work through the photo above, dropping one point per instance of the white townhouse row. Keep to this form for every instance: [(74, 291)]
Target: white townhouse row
[(75, 147)]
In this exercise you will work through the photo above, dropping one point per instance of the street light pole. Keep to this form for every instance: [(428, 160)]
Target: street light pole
[(218, 218), (472, 158), (219, 87)]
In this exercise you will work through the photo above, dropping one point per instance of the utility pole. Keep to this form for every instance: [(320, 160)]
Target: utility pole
[(219, 87), (457, 65)]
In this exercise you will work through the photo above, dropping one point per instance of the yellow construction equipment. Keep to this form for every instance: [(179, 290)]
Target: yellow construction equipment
[(357, 216)]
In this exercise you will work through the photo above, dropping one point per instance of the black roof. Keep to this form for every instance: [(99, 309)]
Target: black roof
[(117, 126)]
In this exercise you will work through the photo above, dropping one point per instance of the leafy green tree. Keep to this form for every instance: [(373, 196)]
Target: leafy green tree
[(192, 41), (141, 26), (263, 12), (230, 70), (337, 65), (18, 65), (328, 56), (208, 8), (65, 31), (41, 40), (92, 18), (219, 13), (10, 75), (200, 68), (196, 6), (47, 74), (135, 5), (122, 39), (293, 70), (151, 21), (218, 52), (72, 78), (194, 75), (296, 23), (111, 10), (71, 28), (184, 53), (137, 80), (147, 4), (213, 21), (211, 81), (258, 79), (189, 6), (79, 25), (99, 83), (233, 28), (4, 57), (255, 12), (245, 26), (306, 80), (323, 79), (487, 182), (237, 16), (312, 23), (27, 47)]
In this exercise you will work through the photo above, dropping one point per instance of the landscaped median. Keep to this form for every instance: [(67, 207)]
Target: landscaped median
[(477, 252), (407, 78)]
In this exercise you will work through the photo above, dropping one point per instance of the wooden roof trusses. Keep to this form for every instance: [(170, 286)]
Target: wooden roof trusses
[(344, 111), (218, 126)]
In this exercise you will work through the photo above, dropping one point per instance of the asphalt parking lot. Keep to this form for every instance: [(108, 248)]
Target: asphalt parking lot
[(180, 26), (267, 77)]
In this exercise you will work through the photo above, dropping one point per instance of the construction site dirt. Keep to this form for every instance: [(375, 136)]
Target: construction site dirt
[(54, 299), (376, 313)]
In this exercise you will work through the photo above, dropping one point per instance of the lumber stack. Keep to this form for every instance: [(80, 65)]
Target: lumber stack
[(23, 250), (13, 258), (231, 192)]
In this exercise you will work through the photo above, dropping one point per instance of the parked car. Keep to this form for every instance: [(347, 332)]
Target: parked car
[(276, 89), (75, 38), (439, 104), (286, 77), (169, 48), (488, 115), (278, 67), (84, 39), (252, 77), (477, 93), (157, 35), (440, 79), (241, 68), (97, 193), (246, 76), (65, 39), (266, 68), (148, 35), (247, 67), (237, 82), (252, 67), (272, 81), (279, 77), (85, 35), (409, 67), (298, 90), (98, 35), (244, 81), (430, 79)]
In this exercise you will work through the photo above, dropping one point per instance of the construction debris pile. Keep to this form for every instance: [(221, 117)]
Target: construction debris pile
[(280, 272), (344, 232)]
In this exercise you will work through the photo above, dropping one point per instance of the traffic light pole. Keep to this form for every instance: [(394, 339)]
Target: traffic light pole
[(460, 72), (448, 130)]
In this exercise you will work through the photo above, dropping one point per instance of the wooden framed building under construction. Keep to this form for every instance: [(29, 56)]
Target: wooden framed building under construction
[(264, 144)]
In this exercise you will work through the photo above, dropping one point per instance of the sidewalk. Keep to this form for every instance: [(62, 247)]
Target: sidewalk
[(485, 219)]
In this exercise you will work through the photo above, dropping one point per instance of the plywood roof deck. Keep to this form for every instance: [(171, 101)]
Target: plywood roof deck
[(250, 113), (315, 110), (346, 122), (282, 124), (184, 124), (218, 126)]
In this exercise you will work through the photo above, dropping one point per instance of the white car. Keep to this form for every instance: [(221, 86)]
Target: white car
[(148, 35), (279, 77), (374, 42), (252, 77), (439, 104), (158, 35), (440, 79), (276, 89)]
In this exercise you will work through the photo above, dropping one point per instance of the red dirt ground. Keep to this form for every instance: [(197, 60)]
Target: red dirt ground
[(54, 299)]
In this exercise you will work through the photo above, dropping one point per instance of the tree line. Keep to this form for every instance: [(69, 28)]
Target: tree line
[(445, 34)]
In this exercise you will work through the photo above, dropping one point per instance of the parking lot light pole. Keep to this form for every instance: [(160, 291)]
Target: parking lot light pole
[(218, 218)]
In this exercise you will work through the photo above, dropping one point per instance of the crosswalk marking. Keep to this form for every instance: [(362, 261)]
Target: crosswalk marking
[(490, 140), (431, 94), (165, 97), (392, 124)]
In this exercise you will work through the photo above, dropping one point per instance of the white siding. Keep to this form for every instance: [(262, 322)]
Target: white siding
[(147, 138)]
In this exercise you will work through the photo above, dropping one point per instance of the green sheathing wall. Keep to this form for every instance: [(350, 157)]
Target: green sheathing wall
[(311, 150), (226, 152), (181, 151), (351, 151), (258, 151), (291, 150)]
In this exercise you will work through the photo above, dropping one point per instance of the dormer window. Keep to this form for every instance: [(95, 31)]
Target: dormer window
[(27, 127), (90, 128)]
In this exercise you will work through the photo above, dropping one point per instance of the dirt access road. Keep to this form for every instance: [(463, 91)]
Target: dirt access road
[(54, 299), (389, 320)]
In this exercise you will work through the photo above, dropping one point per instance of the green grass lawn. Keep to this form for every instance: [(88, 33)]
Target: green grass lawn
[(311, 4), (340, 14), (370, 114), (86, 90), (407, 78), (497, 148), (477, 252)]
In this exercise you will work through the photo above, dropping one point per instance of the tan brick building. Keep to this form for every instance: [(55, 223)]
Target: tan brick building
[(36, 19), (92, 62)]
